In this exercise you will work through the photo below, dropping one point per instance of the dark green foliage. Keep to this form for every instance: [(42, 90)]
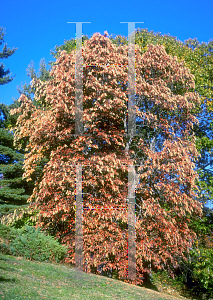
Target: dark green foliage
[(197, 272), (14, 190), (6, 52), (204, 144), (4, 110), (8, 120), (7, 232), (6, 235), (203, 227), (201, 279), (32, 244), (4, 248)]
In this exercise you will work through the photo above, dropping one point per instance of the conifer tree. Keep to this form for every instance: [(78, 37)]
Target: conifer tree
[(14, 190), (6, 52)]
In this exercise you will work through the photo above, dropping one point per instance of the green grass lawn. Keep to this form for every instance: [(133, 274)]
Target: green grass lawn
[(24, 279)]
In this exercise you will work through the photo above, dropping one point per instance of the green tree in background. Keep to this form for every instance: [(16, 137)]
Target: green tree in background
[(11, 163), (14, 190), (6, 52)]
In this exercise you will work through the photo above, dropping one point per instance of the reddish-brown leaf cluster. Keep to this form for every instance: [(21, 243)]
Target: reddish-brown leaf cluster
[(166, 183)]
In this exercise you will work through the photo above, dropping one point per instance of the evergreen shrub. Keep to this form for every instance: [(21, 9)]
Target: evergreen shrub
[(32, 244)]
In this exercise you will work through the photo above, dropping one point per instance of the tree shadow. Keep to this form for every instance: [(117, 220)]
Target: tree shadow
[(3, 279), (149, 285)]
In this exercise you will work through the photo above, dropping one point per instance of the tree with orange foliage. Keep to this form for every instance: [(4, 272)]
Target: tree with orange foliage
[(163, 151)]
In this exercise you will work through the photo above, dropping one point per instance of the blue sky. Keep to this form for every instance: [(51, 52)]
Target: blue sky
[(35, 27)]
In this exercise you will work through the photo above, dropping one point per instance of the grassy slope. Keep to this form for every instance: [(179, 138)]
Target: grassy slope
[(24, 279)]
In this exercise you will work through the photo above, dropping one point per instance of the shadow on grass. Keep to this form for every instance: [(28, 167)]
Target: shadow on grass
[(149, 285), (3, 279)]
